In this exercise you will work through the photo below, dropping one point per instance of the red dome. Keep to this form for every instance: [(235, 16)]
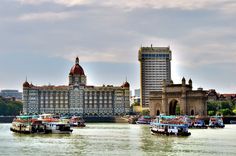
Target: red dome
[(126, 84), (77, 69), (26, 84)]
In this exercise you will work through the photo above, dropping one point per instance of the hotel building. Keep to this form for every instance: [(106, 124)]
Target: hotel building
[(77, 97), (155, 66)]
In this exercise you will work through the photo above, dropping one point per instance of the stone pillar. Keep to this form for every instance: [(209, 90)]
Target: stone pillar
[(164, 103), (183, 98)]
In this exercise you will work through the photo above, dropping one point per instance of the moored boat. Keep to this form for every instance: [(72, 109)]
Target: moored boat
[(216, 122), (144, 120), (27, 125), (41, 124), (198, 123), (58, 128), (77, 121), (232, 121)]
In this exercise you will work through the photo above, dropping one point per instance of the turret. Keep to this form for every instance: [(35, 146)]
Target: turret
[(183, 81), (190, 83)]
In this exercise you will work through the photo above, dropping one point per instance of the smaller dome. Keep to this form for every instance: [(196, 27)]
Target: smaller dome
[(126, 84), (26, 84)]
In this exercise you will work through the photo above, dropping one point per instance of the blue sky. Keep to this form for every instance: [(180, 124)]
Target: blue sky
[(41, 38)]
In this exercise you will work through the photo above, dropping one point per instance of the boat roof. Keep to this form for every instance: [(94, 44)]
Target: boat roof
[(24, 116), (175, 125)]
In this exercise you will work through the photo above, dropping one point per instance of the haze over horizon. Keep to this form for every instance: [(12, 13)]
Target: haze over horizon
[(41, 38)]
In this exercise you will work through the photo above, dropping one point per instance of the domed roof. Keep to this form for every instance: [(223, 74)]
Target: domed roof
[(26, 84), (77, 69), (126, 84)]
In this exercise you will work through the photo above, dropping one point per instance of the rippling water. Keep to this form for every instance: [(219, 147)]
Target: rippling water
[(119, 139)]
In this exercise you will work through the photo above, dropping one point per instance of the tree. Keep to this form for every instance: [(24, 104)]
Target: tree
[(145, 112), (10, 107)]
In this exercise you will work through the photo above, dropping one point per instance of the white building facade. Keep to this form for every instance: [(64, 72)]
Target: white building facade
[(77, 98), (155, 66)]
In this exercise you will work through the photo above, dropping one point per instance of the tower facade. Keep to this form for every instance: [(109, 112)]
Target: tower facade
[(155, 66)]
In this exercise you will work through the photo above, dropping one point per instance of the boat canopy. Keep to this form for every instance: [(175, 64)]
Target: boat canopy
[(175, 125), (24, 117)]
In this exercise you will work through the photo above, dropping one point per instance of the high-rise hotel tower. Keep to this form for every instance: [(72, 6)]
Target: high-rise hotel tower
[(155, 67)]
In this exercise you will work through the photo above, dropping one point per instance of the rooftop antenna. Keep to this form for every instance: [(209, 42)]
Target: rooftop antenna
[(26, 79)]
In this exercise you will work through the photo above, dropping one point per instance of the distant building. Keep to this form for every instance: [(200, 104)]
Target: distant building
[(155, 66), (137, 92), (11, 94), (77, 97), (178, 97), (212, 95)]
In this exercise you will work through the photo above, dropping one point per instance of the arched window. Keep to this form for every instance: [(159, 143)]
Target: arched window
[(192, 112), (158, 112)]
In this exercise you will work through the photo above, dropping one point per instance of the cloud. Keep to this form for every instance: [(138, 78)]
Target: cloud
[(205, 46), (62, 2), (226, 6), (47, 16)]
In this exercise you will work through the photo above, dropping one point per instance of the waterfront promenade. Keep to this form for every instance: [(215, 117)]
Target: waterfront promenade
[(119, 139)]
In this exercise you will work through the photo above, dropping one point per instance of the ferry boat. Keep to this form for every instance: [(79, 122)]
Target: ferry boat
[(198, 123), (58, 128), (144, 120), (21, 124), (216, 122), (28, 124), (77, 121), (170, 125)]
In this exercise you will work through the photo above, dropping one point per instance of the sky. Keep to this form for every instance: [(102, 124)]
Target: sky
[(41, 38)]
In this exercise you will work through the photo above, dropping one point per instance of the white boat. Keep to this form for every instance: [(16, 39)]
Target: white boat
[(170, 125), (216, 122), (58, 128)]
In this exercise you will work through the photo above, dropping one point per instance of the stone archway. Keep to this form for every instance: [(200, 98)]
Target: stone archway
[(174, 107)]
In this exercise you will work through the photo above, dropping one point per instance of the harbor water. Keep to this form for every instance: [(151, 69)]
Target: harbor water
[(118, 139)]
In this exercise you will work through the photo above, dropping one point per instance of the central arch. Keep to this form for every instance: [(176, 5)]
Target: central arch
[(174, 107)]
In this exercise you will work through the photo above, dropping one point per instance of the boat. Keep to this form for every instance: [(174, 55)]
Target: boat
[(144, 120), (28, 125), (198, 123), (170, 125), (77, 121), (216, 122), (47, 118), (232, 121), (42, 124), (132, 119), (58, 128)]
